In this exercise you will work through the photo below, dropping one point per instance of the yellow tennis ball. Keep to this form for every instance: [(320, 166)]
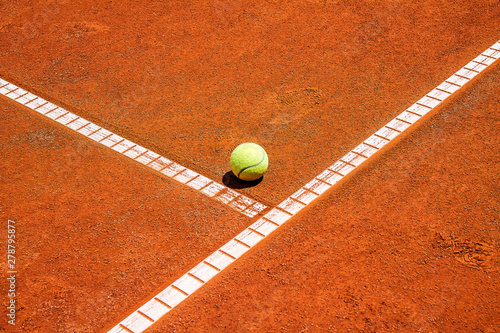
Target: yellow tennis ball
[(249, 161)]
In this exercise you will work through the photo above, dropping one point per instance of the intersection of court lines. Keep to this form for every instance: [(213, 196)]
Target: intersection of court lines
[(423, 105), (108, 87), (162, 303), (369, 256), (96, 233), (195, 107)]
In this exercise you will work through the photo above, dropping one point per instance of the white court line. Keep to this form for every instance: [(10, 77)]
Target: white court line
[(187, 284), (235, 200)]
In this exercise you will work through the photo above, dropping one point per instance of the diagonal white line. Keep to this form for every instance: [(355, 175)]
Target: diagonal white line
[(187, 284), (208, 187)]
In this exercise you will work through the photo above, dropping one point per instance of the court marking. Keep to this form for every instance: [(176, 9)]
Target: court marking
[(163, 165), (158, 306)]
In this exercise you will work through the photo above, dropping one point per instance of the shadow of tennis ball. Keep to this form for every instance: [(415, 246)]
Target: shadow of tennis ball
[(231, 181)]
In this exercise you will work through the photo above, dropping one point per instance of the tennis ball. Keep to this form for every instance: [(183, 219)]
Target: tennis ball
[(249, 161)]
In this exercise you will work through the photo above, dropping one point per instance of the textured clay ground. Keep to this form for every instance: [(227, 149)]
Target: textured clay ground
[(408, 243), (93, 241), (192, 80)]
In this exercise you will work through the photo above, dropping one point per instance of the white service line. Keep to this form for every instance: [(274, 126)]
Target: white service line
[(187, 284), (235, 200)]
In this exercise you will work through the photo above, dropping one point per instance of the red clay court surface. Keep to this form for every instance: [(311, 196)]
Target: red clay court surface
[(409, 242)]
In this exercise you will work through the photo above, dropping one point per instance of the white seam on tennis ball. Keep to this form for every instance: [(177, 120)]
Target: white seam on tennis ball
[(276, 217), (251, 166), (247, 206)]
